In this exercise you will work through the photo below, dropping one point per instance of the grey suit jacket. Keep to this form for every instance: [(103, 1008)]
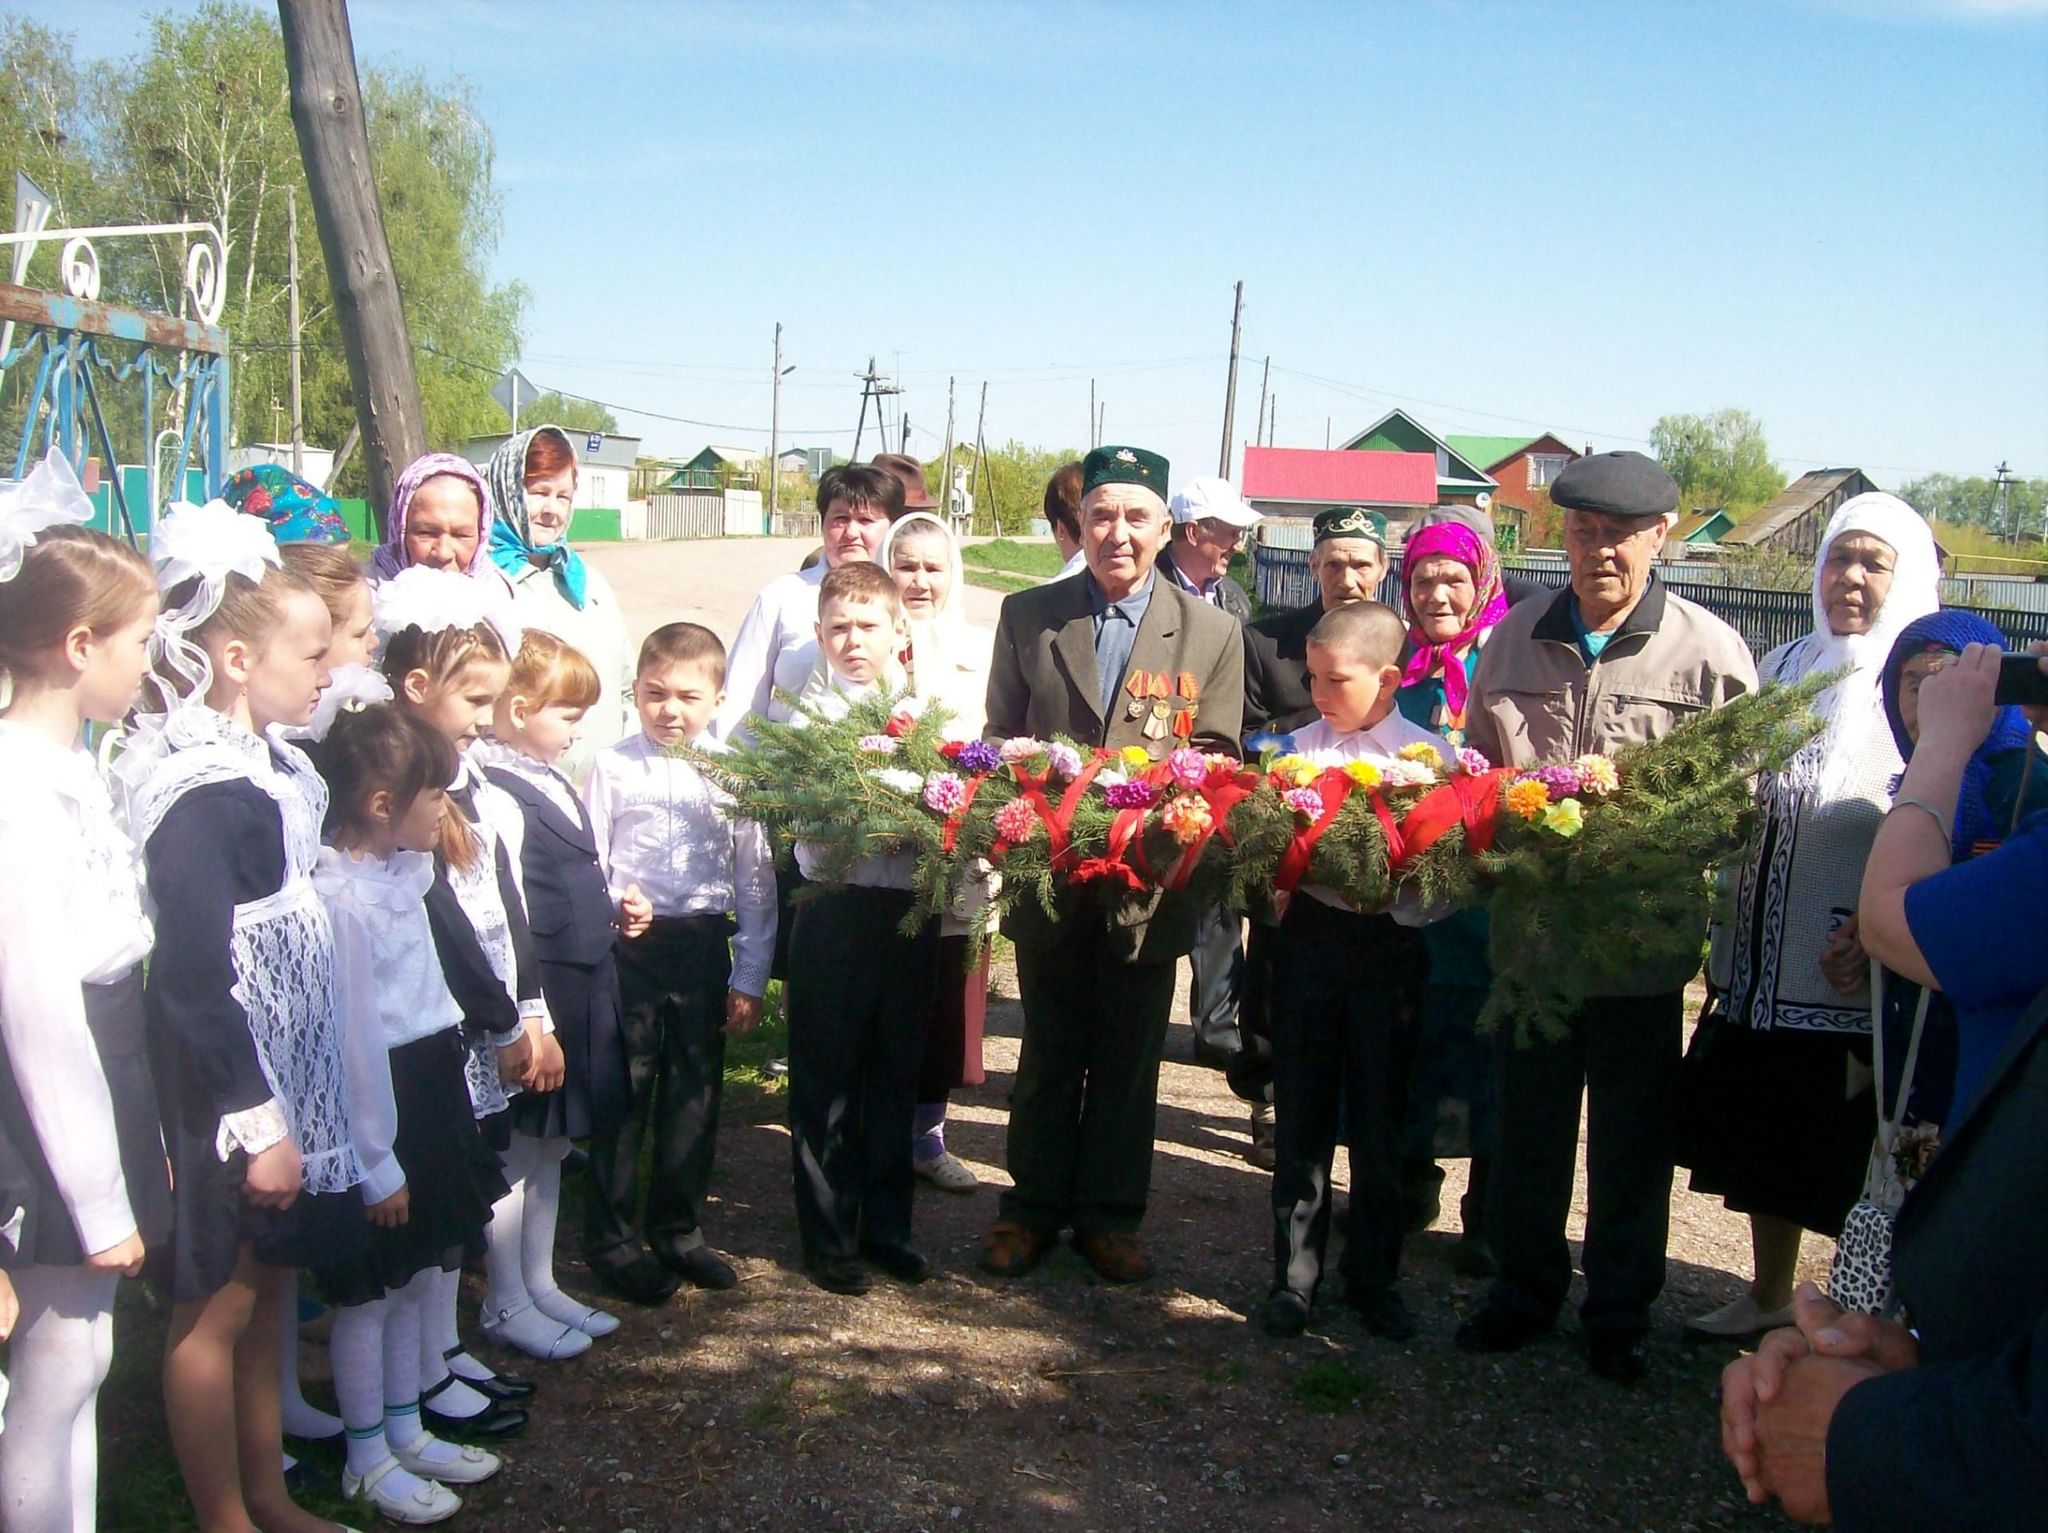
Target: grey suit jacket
[(1042, 682)]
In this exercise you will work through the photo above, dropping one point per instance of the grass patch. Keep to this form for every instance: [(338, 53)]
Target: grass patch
[(1040, 561), (1330, 1387), (747, 1058)]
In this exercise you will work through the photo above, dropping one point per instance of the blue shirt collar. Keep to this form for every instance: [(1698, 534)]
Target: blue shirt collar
[(1132, 606)]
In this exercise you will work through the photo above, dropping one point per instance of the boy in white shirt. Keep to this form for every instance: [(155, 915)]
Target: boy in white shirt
[(859, 998), (1346, 990), (696, 894)]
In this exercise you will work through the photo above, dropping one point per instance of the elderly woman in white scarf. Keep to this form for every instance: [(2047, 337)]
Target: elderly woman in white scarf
[(948, 665), (1779, 1112)]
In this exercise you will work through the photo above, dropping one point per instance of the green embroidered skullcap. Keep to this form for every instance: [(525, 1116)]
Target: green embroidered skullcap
[(1351, 522), (1124, 465)]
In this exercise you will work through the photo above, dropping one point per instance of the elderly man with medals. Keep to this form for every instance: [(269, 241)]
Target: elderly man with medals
[(1114, 657)]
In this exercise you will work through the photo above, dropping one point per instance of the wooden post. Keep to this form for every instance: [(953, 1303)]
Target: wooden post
[(946, 473), (327, 112), (1230, 389), (1259, 425), (775, 427), (981, 457)]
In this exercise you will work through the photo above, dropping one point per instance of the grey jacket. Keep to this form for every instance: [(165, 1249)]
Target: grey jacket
[(1535, 699)]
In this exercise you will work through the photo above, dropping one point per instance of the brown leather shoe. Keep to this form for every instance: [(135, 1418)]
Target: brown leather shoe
[(1011, 1249), (1115, 1258)]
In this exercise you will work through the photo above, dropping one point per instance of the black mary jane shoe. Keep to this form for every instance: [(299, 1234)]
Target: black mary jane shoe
[(493, 1425), (901, 1262), (506, 1388)]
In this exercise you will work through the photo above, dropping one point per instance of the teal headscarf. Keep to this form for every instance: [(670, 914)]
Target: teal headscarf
[(512, 547)]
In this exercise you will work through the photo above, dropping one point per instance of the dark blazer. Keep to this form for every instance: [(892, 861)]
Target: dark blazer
[(1042, 682), (568, 908), (1961, 1442), (1230, 596), (1275, 662)]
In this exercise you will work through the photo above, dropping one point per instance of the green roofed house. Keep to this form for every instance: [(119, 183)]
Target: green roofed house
[(1457, 477), (715, 467)]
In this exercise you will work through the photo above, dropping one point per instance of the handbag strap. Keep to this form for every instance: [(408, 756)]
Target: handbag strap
[(1888, 1127)]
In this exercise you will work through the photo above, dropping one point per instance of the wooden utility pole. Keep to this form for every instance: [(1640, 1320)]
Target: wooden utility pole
[(1230, 389), (1259, 422), (1101, 411), (291, 205), (981, 453), (327, 112), (1094, 441), (775, 427), (946, 473), (1273, 420)]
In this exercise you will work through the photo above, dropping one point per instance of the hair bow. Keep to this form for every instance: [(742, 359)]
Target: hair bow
[(208, 544), (49, 497), (433, 600)]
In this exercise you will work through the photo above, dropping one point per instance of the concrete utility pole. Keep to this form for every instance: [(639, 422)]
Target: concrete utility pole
[(775, 426), (291, 206), (1094, 441), (327, 112), (1101, 411), (1230, 389), (981, 454), (1259, 424), (1273, 420), (946, 473)]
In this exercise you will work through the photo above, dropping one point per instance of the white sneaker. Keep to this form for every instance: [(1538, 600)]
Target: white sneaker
[(416, 1502), (1742, 1318), (452, 1464), (948, 1173)]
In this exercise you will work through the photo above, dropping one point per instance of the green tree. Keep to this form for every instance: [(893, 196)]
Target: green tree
[(567, 411), (1017, 474), (1977, 501), (1719, 460)]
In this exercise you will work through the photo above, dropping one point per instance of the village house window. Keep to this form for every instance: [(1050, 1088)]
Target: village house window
[(1544, 467)]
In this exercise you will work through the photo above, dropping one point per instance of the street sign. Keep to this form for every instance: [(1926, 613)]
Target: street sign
[(511, 391), (591, 446)]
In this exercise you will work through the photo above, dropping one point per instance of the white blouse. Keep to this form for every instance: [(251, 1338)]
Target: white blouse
[(71, 914), (777, 646), (389, 989), (661, 824)]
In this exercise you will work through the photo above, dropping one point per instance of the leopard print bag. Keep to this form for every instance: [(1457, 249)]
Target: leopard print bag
[(1861, 1277)]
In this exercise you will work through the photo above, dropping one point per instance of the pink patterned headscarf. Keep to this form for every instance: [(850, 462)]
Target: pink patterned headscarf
[(1452, 540), (390, 556)]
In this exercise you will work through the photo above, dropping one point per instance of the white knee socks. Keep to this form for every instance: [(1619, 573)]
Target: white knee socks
[(403, 1428), (49, 1451), (511, 1317), (537, 1245), (357, 1347)]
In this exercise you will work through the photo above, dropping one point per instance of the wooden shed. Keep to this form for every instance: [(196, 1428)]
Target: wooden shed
[(1793, 523)]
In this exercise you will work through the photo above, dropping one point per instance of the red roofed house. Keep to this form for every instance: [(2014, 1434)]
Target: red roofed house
[(1297, 482)]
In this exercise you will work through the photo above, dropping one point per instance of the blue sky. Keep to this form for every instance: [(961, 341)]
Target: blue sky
[(1575, 216)]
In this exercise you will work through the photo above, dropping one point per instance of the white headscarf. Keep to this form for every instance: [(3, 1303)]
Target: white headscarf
[(1853, 708), (950, 655)]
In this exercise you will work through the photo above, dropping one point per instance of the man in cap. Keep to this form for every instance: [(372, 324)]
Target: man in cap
[(1614, 658), (1348, 560), (1117, 657)]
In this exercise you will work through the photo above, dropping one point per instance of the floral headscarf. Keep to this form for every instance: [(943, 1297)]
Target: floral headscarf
[(512, 547), (1951, 629), (1452, 540), (390, 556), (297, 510)]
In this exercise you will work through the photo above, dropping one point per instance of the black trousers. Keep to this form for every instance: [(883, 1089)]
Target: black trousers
[(672, 986), (1621, 1054), (1085, 1103), (1217, 960), (859, 1007), (1250, 1073), (1346, 989)]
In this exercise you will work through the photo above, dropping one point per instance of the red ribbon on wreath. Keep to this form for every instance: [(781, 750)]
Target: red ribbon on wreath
[(1469, 799), (1333, 787), (959, 816), (1058, 822)]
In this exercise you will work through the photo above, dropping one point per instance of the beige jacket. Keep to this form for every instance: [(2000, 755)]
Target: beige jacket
[(1535, 699)]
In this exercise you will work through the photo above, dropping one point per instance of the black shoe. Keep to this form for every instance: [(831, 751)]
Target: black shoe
[(841, 1274), (1384, 1314), (506, 1387), (1498, 1330), (494, 1425), (900, 1262), (1286, 1314), (701, 1267), (1474, 1257), (576, 1162), (1617, 1355), (303, 1480), (643, 1280)]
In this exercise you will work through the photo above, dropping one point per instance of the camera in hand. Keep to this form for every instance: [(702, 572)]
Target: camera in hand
[(2022, 681)]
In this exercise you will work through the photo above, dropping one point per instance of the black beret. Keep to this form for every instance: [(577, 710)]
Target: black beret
[(1616, 484)]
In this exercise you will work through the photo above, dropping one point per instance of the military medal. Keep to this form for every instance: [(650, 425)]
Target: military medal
[(1155, 726)]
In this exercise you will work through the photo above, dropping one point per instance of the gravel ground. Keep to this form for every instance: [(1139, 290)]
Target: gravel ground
[(1061, 1401)]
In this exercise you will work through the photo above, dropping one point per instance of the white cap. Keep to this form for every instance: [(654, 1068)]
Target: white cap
[(1211, 499)]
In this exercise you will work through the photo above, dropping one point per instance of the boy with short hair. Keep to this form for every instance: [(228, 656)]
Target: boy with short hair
[(857, 1016), (696, 896), (1346, 990)]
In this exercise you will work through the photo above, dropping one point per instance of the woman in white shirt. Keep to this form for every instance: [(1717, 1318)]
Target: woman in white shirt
[(949, 665)]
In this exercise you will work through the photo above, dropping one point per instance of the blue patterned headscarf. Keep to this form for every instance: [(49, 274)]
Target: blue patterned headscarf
[(512, 547), (1951, 629), (298, 511)]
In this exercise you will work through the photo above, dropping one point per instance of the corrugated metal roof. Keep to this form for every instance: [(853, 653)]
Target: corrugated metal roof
[(1487, 453), (1792, 502), (1311, 477)]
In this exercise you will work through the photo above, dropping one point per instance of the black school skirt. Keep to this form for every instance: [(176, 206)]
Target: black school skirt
[(452, 1177), (114, 1017), (584, 1002)]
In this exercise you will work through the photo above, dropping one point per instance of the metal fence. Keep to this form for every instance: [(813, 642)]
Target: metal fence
[(686, 514), (1765, 619)]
